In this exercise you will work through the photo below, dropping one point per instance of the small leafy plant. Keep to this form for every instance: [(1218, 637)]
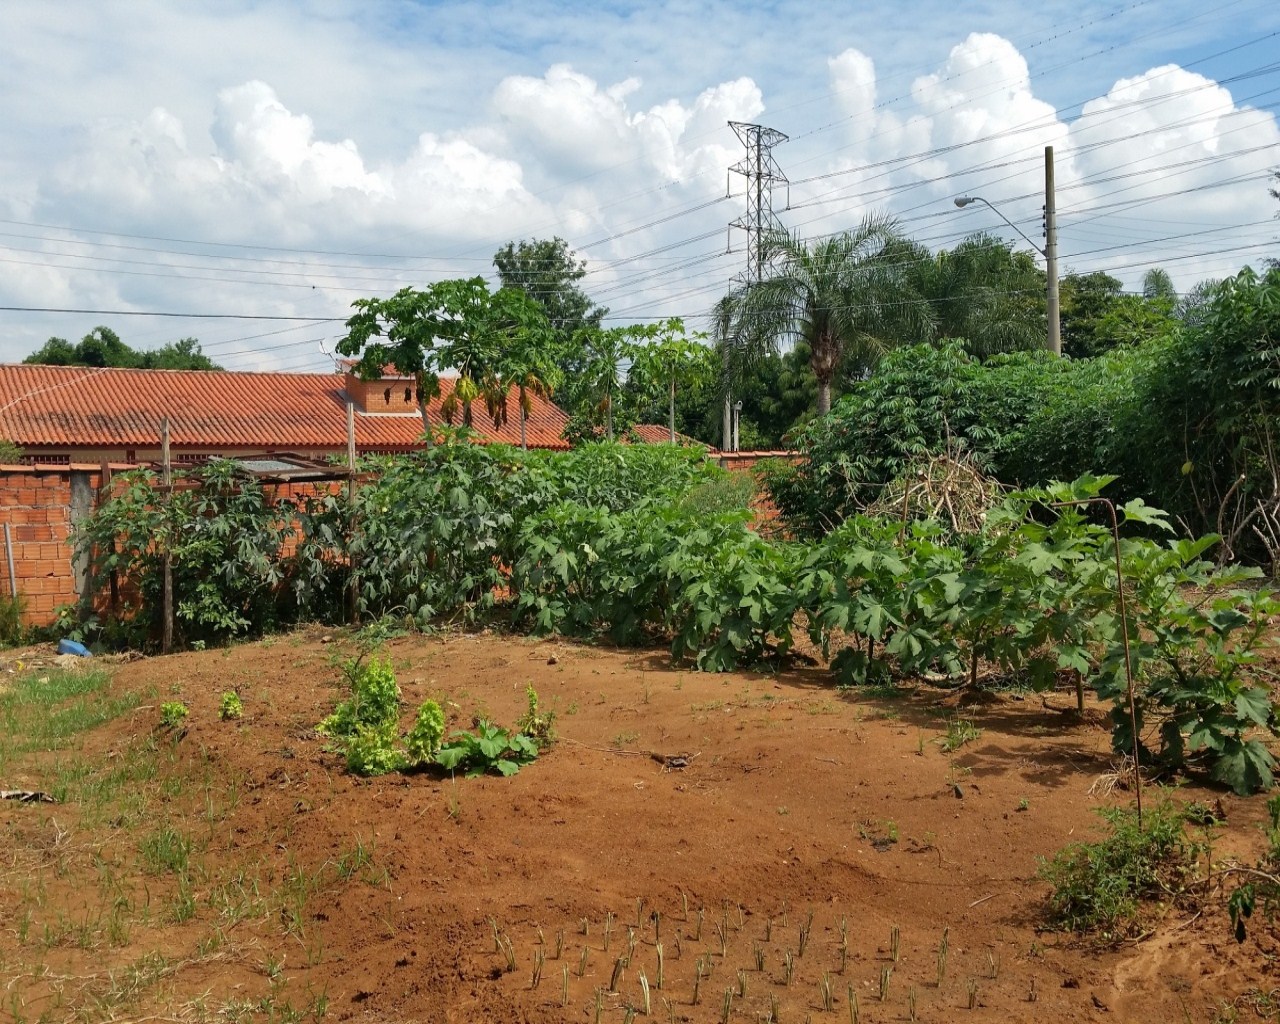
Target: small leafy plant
[(423, 741), (230, 707), (173, 713), (488, 748), (365, 727)]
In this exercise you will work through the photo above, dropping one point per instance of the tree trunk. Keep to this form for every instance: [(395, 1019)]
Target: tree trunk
[(824, 396), (672, 412), (423, 399), (608, 414), (524, 422)]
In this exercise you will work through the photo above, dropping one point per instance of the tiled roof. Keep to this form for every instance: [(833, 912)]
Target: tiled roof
[(77, 406), (654, 433)]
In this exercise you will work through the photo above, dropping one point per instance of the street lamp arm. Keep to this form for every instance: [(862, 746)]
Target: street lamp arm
[(964, 201)]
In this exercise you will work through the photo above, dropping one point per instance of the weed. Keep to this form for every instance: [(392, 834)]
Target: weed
[(173, 713), (959, 732), (1098, 887), (165, 850)]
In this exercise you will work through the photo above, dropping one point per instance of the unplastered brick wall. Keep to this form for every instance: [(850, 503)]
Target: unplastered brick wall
[(40, 506)]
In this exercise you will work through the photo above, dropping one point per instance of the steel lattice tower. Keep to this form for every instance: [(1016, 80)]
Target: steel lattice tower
[(763, 174)]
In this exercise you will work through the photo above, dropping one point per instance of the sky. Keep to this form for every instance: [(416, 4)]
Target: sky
[(264, 163)]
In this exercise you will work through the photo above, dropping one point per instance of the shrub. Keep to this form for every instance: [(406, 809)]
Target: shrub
[(1099, 887), (365, 727)]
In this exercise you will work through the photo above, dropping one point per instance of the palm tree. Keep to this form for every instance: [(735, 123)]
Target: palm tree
[(847, 297), (986, 294)]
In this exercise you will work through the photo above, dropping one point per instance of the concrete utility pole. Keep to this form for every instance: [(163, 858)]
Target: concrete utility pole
[(1051, 255), (1049, 252)]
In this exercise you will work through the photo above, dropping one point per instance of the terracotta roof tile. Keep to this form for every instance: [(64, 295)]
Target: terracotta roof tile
[(76, 406)]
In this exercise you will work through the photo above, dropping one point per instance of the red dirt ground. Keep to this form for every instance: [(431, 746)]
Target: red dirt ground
[(797, 799)]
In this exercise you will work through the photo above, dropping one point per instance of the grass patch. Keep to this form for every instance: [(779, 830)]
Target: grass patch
[(44, 712)]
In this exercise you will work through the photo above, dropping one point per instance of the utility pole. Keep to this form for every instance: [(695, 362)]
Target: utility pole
[(1051, 255), (762, 173)]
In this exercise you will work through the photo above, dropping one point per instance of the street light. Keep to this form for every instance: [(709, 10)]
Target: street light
[(1049, 252)]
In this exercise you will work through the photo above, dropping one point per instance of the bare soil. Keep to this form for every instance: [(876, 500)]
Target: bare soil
[(310, 892)]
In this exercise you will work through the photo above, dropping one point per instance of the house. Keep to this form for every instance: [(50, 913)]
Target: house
[(60, 415)]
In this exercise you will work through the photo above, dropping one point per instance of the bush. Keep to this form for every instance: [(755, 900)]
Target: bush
[(1100, 887), (365, 727)]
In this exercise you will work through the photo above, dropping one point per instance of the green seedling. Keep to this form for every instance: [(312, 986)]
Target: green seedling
[(855, 1011), (720, 934), (173, 713), (493, 931), (774, 1014), (697, 985), (599, 1005), (657, 926), (616, 975), (758, 952), (608, 931), (742, 983), (1032, 994), (564, 985), (972, 989), (726, 1006), (895, 937), (559, 943), (584, 925), (768, 929), (804, 934), (539, 959), (684, 905), (639, 910), (697, 932), (509, 953), (658, 974), (993, 966), (631, 944), (788, 967), (741, 918), (644, 994), (230, 706), (582, 963), (824, 992), (885, 974), (911, 1003)]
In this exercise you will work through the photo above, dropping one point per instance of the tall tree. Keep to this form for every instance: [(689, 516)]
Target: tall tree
[(1157, 284), (847, 297), (1086, 299), (400, 332), (670, 360), (526, 361), (985, 293), (548, 272)]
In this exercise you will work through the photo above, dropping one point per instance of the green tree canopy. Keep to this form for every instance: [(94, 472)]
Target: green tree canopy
[(986, 293), (103, 347), (548, 272), (847, 298)]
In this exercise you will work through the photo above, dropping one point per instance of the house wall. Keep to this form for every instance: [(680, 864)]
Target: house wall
[(374, 396), (40, 508)]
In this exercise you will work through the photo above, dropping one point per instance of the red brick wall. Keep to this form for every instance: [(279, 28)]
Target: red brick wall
[(37, 506)]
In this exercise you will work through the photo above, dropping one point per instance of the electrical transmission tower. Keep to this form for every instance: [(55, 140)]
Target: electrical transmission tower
[(763, 174)]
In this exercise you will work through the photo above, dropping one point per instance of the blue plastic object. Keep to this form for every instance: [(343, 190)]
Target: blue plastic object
[(71, 647)]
